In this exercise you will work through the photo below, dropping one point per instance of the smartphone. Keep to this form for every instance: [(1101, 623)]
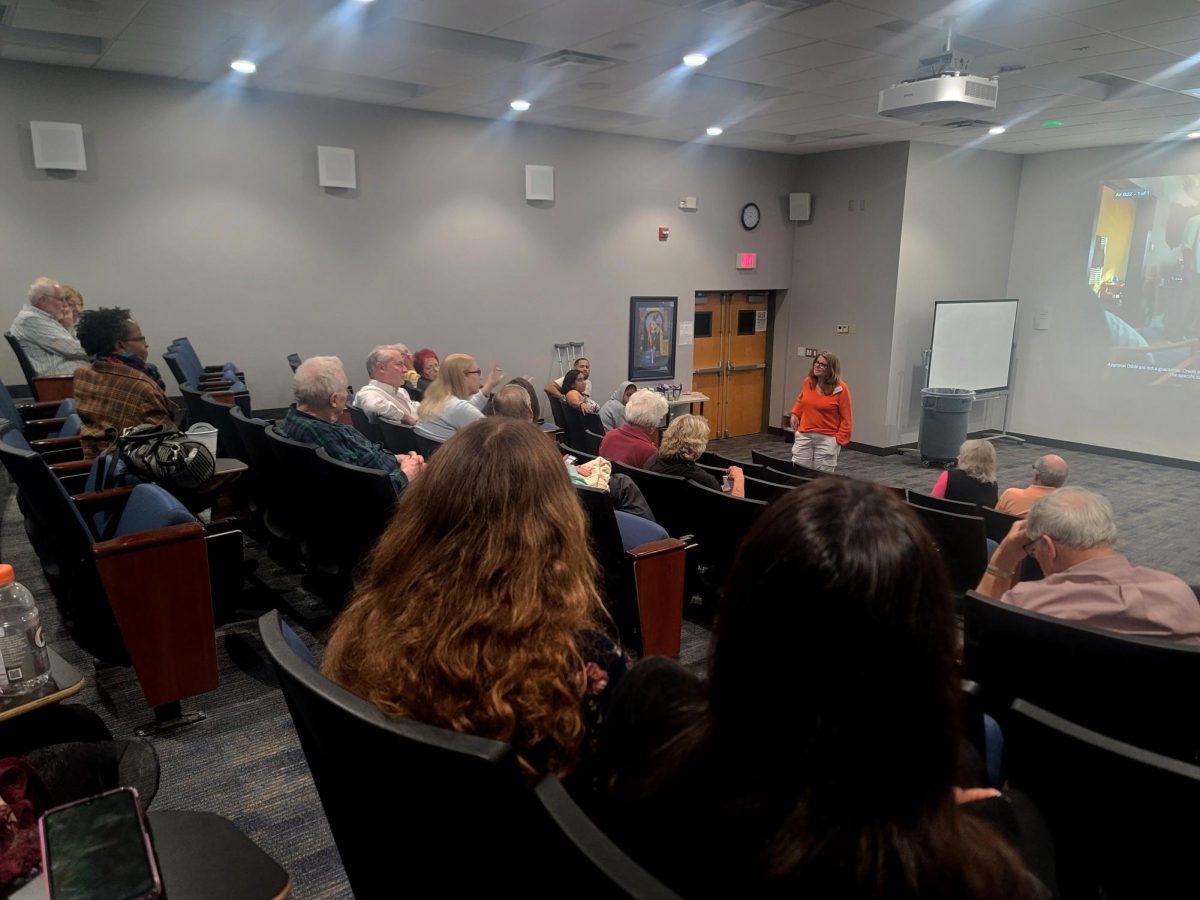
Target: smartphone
[(727, 484), (99, 849)]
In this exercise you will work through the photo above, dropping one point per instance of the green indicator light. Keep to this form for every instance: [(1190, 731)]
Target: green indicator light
[(1052, 123)]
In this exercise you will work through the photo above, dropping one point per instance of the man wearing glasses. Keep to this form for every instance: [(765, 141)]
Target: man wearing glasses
[(52, 350), (1071, 534)]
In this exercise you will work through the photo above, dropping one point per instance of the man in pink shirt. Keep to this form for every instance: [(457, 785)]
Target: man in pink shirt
[(1071, 534), (1049, 474), (634, 442)]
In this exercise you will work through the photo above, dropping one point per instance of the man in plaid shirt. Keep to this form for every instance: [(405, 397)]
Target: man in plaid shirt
[(320, 386), (51, 349)]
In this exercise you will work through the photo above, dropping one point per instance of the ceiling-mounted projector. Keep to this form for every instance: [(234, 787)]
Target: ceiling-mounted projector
[(940, 99)]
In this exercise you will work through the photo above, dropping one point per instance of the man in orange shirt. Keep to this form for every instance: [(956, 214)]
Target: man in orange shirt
[(1049, 474)]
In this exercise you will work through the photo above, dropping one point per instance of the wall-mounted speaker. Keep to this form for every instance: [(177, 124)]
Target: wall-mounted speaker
[(58, 145), (539, 182), (799, 207), (335, 167)]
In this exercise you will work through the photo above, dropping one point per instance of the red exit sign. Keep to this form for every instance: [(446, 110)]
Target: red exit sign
[(747, 260)]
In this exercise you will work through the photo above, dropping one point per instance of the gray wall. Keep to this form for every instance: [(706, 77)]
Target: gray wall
[(200, 211), (1062, 386), (960, 209), (845, 273)]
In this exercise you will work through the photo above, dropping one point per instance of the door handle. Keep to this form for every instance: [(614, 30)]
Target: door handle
[(746, 367), (715, 370)]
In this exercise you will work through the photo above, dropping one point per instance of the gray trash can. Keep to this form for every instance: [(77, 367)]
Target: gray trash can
[(944, 416)]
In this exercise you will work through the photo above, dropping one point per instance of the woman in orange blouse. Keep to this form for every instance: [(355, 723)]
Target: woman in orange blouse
[(822, 416)]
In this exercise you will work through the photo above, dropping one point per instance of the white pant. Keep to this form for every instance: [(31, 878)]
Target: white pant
[(816, 451)]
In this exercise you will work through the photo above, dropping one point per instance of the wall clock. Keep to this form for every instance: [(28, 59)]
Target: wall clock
[(751, 216)]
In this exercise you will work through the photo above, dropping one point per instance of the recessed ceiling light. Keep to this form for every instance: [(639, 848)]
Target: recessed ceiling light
[(244, 66), (520, 105), (1192, 135), (1052, 123), (997, 129), (714, 130), (695, 59)]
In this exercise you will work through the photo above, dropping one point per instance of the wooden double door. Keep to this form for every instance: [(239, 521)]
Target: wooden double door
[(730, 359)]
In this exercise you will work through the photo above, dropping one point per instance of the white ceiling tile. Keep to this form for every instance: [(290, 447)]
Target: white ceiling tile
[(482, 16), (172, 37), (66, 23), (1165, 34), (1131, 13), (52, 57), (162, 69), (569, 22), (1031, 33), (831, 19), (125, 50), (121, 10), (822, 53)]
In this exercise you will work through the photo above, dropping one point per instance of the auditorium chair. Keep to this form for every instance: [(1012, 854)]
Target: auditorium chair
[(642, 586), (142, 596), (372, 431), (353, 513), (558, 410), (270, 494), (764, 490), (459, 817), (718, 522), (235, 394), (218, 413), (399, 438), (426, 446), (1134, 689), (928, 501), (35, 420), (666, 495), (581, 457), (191, 360), (779, 463), (593, 440), (997, 524), (44, 388), (779, 476), (301, 494), (960, 542), (1121, 817)]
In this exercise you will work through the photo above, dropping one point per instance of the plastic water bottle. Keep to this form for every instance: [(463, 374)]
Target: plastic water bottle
[(24, 662)]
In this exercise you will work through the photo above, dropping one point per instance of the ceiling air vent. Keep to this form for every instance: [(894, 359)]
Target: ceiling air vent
[(968, 123), (573, 59)]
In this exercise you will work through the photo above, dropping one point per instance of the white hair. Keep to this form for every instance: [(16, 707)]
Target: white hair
[(1077, 518), (317, 379), (380, 354), (1051, 471), (646, 408), (42, 287)]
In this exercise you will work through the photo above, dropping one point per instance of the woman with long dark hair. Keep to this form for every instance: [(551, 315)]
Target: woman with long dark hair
[(819, 759), (494, 628)]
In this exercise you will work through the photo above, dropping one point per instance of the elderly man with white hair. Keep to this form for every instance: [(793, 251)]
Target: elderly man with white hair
[(1071, 534), (636, 441), (320, 386), (384, 397), (52, 350)]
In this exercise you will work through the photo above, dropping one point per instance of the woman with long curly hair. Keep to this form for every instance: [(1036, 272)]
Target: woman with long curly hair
[(494, 627), (819, 759)]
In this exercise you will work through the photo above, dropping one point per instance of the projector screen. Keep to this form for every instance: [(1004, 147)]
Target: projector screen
[(1144, 271), (972, 344)]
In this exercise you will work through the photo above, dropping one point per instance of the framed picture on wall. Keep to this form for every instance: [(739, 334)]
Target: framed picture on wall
[(652, 337)]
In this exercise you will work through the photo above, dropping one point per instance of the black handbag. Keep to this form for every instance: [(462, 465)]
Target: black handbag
[(166, 457)]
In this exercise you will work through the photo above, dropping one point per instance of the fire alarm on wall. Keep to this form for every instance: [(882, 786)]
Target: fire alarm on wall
[(663, 232)]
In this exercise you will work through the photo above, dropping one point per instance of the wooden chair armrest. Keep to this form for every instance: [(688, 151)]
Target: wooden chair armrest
[(40, 428), (55, 443), (53, 387), (658, 574), (156, 537), (38, 410), (656, 548), (93, 502), (74, 482), (70, 468)]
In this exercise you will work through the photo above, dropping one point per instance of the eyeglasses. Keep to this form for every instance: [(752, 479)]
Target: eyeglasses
[(823, 365), (136, 339), (1029, 548), (474, 371)]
